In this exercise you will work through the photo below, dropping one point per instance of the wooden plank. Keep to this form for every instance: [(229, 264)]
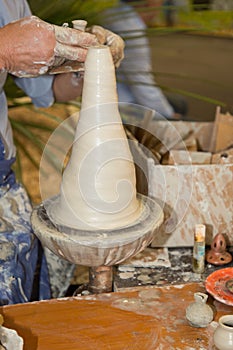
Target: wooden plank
[(145, 318), (222, 137)]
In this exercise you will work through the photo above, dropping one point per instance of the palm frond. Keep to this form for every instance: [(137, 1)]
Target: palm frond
[(58, 11)]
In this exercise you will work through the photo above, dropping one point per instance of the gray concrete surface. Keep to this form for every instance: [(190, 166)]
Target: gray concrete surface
[(197, 64)]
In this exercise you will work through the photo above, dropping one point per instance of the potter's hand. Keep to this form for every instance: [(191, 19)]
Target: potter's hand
[(28, 47), (114, 41)]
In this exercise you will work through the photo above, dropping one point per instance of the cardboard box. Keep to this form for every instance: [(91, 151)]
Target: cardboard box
[(189, 194)]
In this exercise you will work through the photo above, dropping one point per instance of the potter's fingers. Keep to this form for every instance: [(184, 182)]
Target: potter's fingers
[(99, 32), (114, 41), (117, 56), (73, 53), (116, 45), (74, 37)]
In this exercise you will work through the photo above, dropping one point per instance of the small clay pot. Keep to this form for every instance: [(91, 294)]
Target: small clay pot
[(198, 313), (223, 335), (218, 255)]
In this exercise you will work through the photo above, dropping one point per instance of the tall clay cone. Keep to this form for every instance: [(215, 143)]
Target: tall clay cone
[(98, 188)]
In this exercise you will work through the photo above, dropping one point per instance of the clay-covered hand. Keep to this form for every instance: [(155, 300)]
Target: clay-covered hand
[(28, 47), (114, 41)]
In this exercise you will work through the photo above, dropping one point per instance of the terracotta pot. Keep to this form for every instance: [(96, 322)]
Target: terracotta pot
[(218, 255)]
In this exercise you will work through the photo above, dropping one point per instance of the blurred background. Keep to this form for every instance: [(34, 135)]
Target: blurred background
[(191, 44), (190, 41)]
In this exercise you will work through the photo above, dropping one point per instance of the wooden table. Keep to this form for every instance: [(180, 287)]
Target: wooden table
[(144, 318)]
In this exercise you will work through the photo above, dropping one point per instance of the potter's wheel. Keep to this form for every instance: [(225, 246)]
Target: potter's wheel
[(100, 247), (100, 161)]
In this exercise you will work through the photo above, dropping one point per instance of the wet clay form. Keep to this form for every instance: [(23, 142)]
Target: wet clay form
[(218, 255), (198, 313), (98, 219)]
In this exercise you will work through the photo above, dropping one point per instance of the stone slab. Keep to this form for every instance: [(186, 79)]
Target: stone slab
[(180, 271), (191, 195), (149, 257)]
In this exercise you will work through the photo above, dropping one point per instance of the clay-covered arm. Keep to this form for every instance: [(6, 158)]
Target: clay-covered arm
[(28, 47)]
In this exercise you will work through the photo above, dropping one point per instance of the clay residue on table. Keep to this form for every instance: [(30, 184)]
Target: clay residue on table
[(167, 305)]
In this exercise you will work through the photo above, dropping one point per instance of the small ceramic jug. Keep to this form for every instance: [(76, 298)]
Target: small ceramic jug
[(198, 313), (223, 335)]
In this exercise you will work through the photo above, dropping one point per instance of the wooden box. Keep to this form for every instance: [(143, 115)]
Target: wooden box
[(189, 194)]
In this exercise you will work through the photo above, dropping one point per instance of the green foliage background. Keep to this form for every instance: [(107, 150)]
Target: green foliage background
[(59, 11)]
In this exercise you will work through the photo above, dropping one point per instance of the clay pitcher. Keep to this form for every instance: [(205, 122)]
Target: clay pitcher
[(198, 313)]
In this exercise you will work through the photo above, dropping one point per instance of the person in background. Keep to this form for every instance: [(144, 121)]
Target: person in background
[(169, 11), (29, 48), (136, 83)]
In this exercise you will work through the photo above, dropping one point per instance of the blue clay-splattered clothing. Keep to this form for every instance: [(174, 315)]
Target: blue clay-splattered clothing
[(19, 250), (23, 268)]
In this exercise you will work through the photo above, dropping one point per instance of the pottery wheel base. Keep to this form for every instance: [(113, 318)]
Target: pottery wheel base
[(98, 248), (100, 281)]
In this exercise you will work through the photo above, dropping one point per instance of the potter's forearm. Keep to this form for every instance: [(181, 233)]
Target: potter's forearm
[(3, 48), (29, 46), (67, 87)]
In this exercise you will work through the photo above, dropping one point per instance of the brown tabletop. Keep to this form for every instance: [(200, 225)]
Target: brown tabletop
[(144, 318)]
